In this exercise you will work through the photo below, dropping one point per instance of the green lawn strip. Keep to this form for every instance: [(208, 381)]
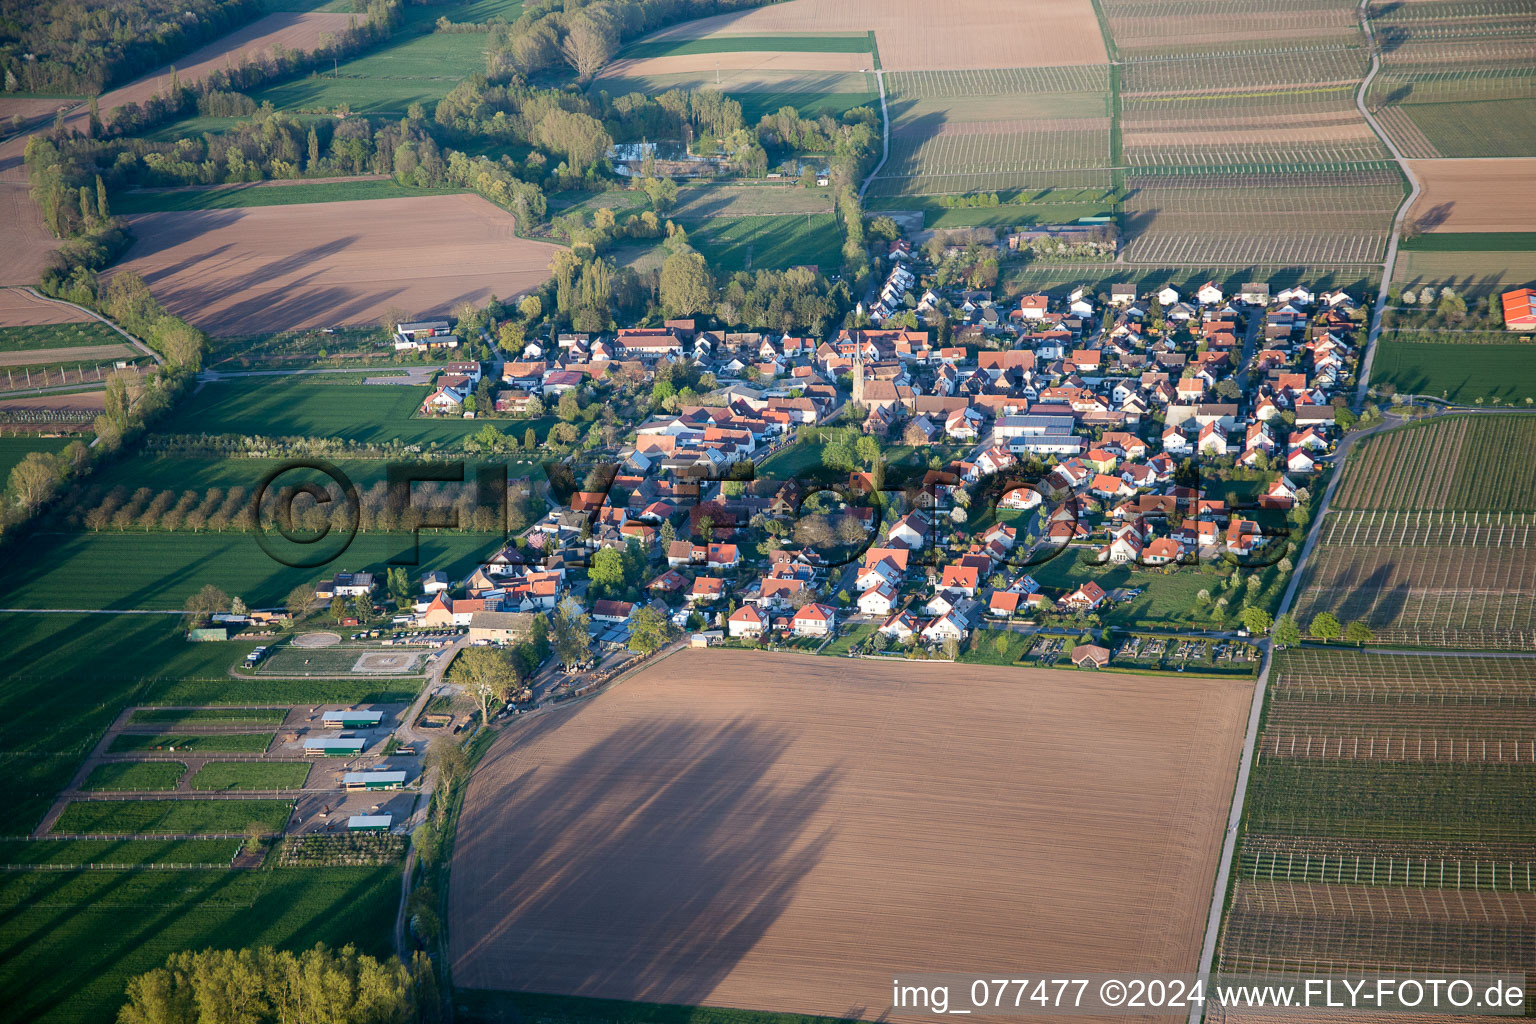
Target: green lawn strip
[(217, 743), (43, 336), (1465, 374), (14, 449), (319, 407), (235, 775), (222, 716), (983, 648), (750, 44), (132, 817), (141, 775), (118, 852), (770, 242), (1472, 802), (71, 940), (268, 195), (160, 570), (1472, 241), (851, 636)]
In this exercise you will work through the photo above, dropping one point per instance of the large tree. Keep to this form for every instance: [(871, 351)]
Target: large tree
[(487, 674), (573, 645), (686, 285), (1324, 626), (1287, 632), (649, 631)]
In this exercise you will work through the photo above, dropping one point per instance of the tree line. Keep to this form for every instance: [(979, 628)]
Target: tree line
[(266, 986)]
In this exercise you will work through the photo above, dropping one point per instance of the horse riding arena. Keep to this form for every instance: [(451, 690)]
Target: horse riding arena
[(786, 832), (260, 269)]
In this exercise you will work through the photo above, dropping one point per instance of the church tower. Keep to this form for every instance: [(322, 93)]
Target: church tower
[(858, 377)]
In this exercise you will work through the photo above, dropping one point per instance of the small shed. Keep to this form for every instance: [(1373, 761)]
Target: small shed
[(352, 719), (1090, 654), (369, 822), (373, 780), (345, 747)]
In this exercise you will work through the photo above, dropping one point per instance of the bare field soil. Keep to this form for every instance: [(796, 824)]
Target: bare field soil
[(733, 64), (1476, 195), (261, 37), (786, 833), (21, 309), (78, 354), (91, 401), (28, 107), (24, 241), (913, 36), (260, 269)]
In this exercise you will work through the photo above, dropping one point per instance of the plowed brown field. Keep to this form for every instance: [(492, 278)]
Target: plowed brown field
[(273, 268), (1476, 195), (258, 39), (19, 308), (914, 35), (788, 833)]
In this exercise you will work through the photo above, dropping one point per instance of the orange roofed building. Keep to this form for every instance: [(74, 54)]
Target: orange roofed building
[(1520, 310)]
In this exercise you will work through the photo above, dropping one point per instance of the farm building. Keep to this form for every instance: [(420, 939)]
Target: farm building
[(345, 747), (369, 822), (352, 719), (1519, 310), (373, 780), (499, 627)]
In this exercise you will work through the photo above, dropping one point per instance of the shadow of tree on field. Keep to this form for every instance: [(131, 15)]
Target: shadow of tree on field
[(643, 868)]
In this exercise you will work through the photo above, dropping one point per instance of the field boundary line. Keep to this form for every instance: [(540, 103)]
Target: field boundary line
[(885, 134), (90, 611), (1395, 238)]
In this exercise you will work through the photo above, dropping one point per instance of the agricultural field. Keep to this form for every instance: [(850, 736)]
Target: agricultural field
[(1142, 29), (1386, 826), (1452, 463), (266, 193), (122, 776), (767, 243), (1473, 195), (71, 940), (207, 743), (1459, 373), (63, 853), (716, 829), (988, 130), (15, 447), (1434, 579), (160, 570), (19, 308), (148, 817), (979, 34), (411, 68), (1308, 219), (236, 271), (1472, 271), (227, 776), (285, 30)]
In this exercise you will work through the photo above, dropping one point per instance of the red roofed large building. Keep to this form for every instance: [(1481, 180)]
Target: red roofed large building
[(1520, 310)]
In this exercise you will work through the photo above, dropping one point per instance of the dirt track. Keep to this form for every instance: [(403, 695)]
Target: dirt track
[(784, 832), (915, 36), (260, 269), (1476, 195)]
